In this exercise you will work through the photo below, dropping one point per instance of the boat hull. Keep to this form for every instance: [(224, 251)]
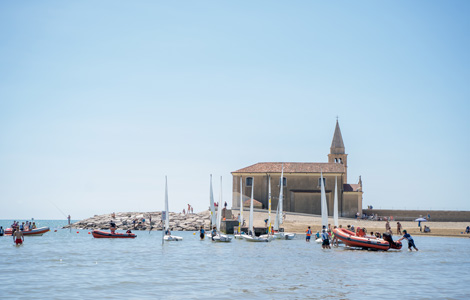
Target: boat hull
[(34, 232), (350, 239), (221, 238), (255, 239), (172, 238), (108, 235)]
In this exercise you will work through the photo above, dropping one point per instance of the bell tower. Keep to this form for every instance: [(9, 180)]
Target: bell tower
[(337, 152)]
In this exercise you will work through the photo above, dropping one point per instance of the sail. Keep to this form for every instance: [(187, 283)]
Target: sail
[(276, 220), (335, 205), (240, 221), (281, 199), (212, 205), (219, 208), (324, 208), (269, 205), (167, 218), (251, 209)]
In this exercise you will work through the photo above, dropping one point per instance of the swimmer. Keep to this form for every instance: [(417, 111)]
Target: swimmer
[(18, 237)]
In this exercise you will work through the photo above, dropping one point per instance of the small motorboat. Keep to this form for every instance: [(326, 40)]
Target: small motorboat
[(108, 235), (350, 239), (32, 232)]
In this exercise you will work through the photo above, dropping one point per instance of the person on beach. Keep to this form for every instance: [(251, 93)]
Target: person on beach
[(399, 228), (308, 235), (325, 240), (388, 229), (18, 237), (410, 240), (201, 232), (213, 233)]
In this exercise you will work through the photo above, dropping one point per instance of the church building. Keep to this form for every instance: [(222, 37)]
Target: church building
[(301, 182)]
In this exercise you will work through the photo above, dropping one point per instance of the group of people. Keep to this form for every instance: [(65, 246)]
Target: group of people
[(17, 230), (327, 234), (190, 210)]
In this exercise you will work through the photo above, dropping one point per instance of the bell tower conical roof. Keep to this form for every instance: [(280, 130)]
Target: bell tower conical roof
[(337, 145)]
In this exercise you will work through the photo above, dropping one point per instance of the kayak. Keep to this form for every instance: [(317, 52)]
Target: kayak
[(350, 239), (33, 232), (108, 235)]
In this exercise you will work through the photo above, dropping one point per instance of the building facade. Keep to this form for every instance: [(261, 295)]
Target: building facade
[(302, 183)]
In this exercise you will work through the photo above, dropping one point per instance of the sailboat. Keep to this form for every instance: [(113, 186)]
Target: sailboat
[(166, 232), (240, 220), (324, 207), (279, 214), (213, 220), (251, 237), (220, 237)]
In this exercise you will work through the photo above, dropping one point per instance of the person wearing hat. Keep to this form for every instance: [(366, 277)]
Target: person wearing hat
[(410, 240)]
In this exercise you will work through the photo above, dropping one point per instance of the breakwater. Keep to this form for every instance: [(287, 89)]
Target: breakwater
[(145, 221)]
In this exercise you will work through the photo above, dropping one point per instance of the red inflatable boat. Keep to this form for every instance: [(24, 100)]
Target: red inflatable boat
[(32, 232), (108, 235), (350, 239)]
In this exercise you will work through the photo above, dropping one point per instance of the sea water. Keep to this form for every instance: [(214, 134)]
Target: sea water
[(71, 264)]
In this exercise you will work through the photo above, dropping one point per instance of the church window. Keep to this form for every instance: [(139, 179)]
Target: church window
[(340, 160), (249, 181), (324, 182), (284, 181)]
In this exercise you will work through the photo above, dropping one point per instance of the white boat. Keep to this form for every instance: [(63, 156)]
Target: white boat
[(250, 237), (220, 237), (166, 234), (279, 214), (240, 218)]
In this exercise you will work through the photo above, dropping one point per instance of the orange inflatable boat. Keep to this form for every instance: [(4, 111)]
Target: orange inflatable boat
[(350, 239)]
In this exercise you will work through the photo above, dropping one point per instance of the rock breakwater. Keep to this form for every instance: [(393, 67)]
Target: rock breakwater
[(145, 221)]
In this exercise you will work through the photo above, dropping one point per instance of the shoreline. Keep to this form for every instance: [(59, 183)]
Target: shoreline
[(296, 223)]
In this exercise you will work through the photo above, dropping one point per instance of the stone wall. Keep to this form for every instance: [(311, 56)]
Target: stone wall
[(410, 215)]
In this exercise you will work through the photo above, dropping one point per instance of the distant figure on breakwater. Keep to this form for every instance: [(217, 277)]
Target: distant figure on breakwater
[(68, 219)]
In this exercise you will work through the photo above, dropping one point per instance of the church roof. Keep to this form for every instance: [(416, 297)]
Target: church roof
[(337, 145), (292, 167), (351, 187)]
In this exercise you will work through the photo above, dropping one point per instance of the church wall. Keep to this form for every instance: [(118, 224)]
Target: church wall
[(352, 204)]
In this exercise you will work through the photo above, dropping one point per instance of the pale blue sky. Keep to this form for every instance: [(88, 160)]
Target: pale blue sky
[(99, 100)]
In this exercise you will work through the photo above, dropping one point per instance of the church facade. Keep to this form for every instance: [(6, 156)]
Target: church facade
[(302, 183)]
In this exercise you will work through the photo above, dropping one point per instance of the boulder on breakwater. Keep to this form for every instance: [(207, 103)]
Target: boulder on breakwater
[(133, 221)]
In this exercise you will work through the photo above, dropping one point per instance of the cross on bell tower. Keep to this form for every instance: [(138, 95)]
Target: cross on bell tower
[(337, 151)]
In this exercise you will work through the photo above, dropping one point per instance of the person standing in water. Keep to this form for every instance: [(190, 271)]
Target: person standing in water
[(308, 235), (411, 242), (214, 232), (325, 240), (201, 232), (18, 237)]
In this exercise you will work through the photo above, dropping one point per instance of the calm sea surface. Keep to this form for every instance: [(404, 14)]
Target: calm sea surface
[(70, 265)]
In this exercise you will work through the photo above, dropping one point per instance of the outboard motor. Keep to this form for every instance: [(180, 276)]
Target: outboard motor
[(389, 239)]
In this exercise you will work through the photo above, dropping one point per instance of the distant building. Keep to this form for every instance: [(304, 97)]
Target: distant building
[(302, 183)]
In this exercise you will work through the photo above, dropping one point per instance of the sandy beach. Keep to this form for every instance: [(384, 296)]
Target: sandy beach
[(299, 223)]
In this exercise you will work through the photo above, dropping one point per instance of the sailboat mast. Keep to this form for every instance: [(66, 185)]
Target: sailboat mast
[(165, 213), (251, 207), (219, 211), (281, 199), (269, 205), (324, 208), (335, 205), (240, 221), (212, 206)]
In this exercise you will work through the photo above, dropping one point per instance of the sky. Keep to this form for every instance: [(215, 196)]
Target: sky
[(100, 100)]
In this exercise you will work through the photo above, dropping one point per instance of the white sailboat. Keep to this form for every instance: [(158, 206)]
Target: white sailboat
[(220, 237), (324, 207), (213, 220), (166, 232), (251, 237), (279, 214), (240, 219)]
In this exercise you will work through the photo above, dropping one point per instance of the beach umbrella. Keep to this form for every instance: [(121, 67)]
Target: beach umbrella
[(421, 220)]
